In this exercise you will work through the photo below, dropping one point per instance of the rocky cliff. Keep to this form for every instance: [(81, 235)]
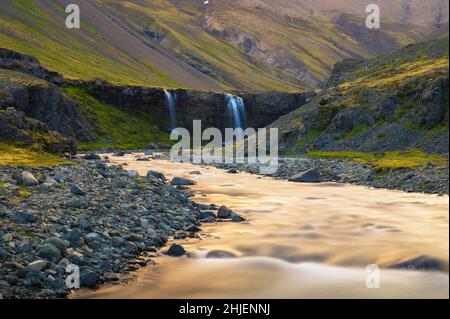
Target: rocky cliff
[(98, 114), (395, 102)]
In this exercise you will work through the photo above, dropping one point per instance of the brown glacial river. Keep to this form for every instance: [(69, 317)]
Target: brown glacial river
[(300, 241)]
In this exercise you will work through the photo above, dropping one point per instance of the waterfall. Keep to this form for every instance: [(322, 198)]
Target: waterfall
[(236, 111), (172, 112)]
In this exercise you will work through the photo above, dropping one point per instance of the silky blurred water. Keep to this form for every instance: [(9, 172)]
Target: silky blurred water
[(300, 241)]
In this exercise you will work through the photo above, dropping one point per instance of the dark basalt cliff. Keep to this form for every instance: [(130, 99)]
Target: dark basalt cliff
[(209, 107), (42, 95)]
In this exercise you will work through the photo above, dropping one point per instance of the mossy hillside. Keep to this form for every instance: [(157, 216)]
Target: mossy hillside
[(116, 128)]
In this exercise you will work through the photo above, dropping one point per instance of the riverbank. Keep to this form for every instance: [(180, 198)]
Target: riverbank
[(301, 240), (105, 220), (429, 178)]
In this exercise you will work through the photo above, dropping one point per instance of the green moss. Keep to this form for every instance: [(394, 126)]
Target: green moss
[(356, 131), (14, 155), (24, 194), (116, 128), (313, 135), (387, 160)]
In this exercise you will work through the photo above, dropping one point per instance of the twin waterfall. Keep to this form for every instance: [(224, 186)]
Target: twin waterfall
[(236, 111)]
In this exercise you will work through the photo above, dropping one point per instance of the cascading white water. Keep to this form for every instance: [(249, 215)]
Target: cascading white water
[(171, 106), (236, 110)]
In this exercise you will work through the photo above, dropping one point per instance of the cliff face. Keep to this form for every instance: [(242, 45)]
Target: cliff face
[(211, 108), (98, 114)]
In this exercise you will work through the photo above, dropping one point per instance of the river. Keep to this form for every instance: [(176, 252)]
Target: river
[(300, 241)]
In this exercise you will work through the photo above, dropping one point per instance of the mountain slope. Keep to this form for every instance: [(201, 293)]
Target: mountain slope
[(105, 47), (300, 38), (255, 45), (395, 102)]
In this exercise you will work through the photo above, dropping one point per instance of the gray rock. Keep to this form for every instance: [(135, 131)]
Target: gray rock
[(88, 278), (74, 203), (224, 212), (132, 174), (4, 255), (74, 237), (92, 157), (59, 243), (119, 153), (76, 190), (23, 218), (110, 276), (37, 265), (24, 247), (45, 187), (236, 218), (118, 241), (49, 252), (176, 250), (29, 179), (157, 175), (310, 176), (180, 181)]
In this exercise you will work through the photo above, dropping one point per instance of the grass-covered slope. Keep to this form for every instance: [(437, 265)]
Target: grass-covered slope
[(253, 45), (103, 47), (379, 110), (266, 45), (116, 128), (15, 156)]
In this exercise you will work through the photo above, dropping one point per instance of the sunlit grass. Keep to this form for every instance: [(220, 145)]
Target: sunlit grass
[(116, 128), (13, 155), (387, 160)]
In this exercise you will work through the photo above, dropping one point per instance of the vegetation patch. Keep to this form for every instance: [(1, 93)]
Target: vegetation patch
[(387, 160), (116, 128), (14, 155)]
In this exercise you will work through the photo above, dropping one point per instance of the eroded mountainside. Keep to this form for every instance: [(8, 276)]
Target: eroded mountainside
[(395, 102), (252, 45)]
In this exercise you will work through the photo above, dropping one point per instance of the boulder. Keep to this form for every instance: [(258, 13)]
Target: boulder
[(92, 157), (49, 252), (157, 175), (310, 176), (176, 250), (180, 181), (76, 190), (224, 212), (28, 179), (23, 218)]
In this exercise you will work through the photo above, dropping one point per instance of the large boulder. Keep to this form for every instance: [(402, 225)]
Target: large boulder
[(310, 176), (180, 181), (176, 250)]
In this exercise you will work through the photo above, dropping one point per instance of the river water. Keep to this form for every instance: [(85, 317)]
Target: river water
[(300, 241)]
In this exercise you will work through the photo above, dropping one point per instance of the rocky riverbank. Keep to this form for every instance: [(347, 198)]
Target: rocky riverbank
[(431, 178), (99, 217)]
